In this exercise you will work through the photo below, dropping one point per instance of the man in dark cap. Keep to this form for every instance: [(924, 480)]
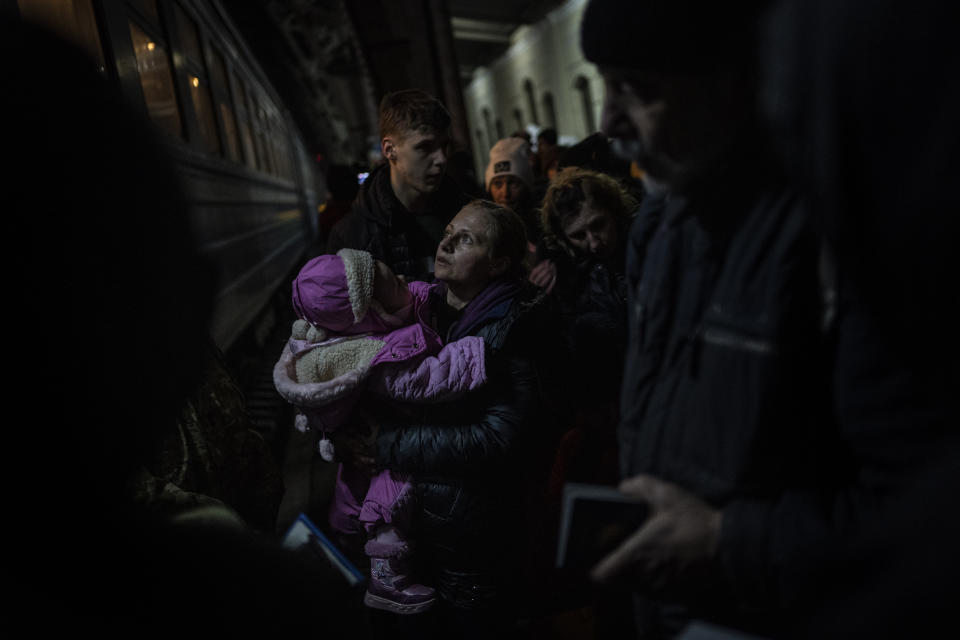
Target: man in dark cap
[(774, 414), (721, 398)]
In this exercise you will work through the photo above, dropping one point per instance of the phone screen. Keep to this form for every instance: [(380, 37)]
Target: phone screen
[(595, 520)]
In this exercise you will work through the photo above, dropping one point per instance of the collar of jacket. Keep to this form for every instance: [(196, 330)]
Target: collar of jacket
[(497, 325), (377, 201), (380, 204)]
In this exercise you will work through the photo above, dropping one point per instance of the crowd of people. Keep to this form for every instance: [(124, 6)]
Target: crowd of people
[(732, 340), (729, 304)]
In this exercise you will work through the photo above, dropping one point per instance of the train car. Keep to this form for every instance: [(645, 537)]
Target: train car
[(252, 188)]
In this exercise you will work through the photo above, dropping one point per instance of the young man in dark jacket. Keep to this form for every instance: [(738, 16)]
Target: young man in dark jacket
[(771, 412), (404, 204)]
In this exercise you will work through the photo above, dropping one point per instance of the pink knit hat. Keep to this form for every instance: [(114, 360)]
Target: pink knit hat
[(335, 292)]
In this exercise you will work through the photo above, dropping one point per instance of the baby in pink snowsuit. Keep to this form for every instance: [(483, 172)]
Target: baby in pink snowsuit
[(361, 329)]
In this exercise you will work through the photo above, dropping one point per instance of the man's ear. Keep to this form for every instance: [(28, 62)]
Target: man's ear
[(388, 149)]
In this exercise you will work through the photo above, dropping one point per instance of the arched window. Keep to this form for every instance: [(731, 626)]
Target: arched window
[(489, 127), (531, 100), (500, 133), (549, 111), (518, 118), (586, 99), (482, 146)]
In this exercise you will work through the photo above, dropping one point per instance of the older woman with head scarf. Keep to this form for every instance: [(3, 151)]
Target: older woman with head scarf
[(585, 217)]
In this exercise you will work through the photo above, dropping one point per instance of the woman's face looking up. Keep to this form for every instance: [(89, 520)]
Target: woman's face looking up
[(463, 256)]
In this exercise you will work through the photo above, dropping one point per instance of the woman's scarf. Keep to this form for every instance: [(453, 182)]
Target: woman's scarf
[(491, 303)]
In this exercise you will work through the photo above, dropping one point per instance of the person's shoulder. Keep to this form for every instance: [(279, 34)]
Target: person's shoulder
[(778, 211), (784, 198), (654, 211), (540, 305), (373, 199), (650, 208), (532, 323), (355, 228), (346, 233), (422, 290), (532, 306)]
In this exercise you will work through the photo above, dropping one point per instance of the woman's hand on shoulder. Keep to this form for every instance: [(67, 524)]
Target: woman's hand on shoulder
[(544, 275)]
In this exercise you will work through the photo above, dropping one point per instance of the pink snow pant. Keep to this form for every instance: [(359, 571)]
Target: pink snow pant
[(361, 503)]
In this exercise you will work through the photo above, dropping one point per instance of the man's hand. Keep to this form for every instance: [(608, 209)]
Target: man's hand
[(672, 548), (544, 275)]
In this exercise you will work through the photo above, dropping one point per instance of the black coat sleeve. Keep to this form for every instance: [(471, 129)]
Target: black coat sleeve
[(485, 430), (896, 417)]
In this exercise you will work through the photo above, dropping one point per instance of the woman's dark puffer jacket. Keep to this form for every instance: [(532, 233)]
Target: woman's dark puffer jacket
[(477, 462)]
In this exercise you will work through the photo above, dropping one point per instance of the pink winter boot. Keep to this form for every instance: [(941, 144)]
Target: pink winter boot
[(390, 587)]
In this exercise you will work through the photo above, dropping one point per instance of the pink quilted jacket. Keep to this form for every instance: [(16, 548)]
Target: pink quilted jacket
[(322, 372)]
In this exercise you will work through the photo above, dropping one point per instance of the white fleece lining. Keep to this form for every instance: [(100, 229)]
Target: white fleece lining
[(328, 362), (312, 394), (358, 267)]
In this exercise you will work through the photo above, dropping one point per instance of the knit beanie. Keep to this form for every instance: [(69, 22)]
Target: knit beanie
[(510, 157)]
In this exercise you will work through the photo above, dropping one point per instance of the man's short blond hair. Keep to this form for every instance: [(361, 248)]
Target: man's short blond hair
[(411, 110)]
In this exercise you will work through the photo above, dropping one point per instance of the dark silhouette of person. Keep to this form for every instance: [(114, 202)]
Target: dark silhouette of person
[(109, 317), (854, 541), (343, 183)]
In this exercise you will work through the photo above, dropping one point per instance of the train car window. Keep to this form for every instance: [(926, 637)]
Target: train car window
[(196, 77), (218, 75), (271, 130), (268, 143), (189, 37), (241, 103), (202, 104), (258, 116), (280, 143), (72, 20), (256, 127), (286, 153), (148, 8), (263, 138), (156, 79), (286, 168)]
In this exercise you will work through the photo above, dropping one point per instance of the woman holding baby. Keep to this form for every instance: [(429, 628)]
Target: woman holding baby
[(478, 463)]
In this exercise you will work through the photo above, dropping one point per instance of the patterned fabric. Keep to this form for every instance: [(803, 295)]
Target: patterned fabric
[(212, 455)]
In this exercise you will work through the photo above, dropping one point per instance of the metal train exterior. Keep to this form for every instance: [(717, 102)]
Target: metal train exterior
[(251, 186)]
